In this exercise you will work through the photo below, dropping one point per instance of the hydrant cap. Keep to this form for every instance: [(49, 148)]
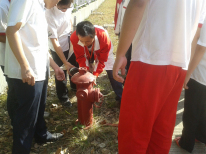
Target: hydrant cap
[(83, 76)]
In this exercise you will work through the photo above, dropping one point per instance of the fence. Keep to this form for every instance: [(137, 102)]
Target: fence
[(79, 3)]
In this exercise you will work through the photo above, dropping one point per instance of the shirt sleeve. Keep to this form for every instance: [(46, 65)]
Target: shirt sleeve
[(3, 21), (20, 11), (78, 51), (202, 39), (202, 14), (52, 28), (102, 54)]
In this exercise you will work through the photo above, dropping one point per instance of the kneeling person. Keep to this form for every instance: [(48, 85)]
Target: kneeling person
[(93, 49)]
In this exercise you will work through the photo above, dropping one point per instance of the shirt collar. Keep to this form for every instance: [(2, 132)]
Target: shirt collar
[(96, 45), (58, 11)]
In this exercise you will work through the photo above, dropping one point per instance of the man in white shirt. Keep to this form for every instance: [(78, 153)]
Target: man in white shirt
[(59, 29), (194, 115), (121, 6), (4, 9), (161, 33), (26, 67)]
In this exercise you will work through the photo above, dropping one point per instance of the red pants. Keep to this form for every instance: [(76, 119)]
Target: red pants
[(148, 108)]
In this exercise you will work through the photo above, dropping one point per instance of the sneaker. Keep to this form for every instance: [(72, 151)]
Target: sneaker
[(50, 138), (66, 102)]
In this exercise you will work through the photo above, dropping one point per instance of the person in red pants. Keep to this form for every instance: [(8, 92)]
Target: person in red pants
[(161, 33)]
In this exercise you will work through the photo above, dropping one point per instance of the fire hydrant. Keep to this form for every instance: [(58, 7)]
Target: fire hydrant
[(86, 95)]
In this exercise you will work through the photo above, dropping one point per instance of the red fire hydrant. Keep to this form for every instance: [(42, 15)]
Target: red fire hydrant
[(86, 95)]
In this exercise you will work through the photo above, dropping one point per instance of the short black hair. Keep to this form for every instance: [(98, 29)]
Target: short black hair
[(85, 28), (65, 2)]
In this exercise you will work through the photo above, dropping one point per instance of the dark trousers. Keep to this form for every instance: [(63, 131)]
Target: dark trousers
[(116, 86), (128, 56), (194, 116), (61, 86), (10, 99), (28, 113)]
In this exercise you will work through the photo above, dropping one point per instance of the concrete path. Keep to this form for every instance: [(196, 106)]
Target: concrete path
[(199, 147)]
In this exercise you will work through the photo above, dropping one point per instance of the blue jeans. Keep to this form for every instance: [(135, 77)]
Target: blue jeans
[(116, 86), (28, 113)]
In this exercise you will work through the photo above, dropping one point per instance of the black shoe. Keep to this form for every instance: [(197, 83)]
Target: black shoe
[(118, 101), (50, 138), (66, 102)]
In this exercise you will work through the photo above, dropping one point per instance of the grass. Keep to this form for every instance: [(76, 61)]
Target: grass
[(107, 17), (62, 119)]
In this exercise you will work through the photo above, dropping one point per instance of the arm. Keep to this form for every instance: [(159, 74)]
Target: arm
[(196, 55), (199, 53), (78, 51), (131, 22), (194, 43), (71, 25), (60, 53), (80, 58), (59, 73), (17, 49), (3, 24), (102, 56)]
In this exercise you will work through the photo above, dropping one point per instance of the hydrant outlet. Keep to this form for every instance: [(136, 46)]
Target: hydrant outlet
[(82, 94), (97, 95), (82, 70)]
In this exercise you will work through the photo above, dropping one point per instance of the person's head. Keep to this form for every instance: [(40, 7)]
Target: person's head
[(63, 5), (85, 32), (50, 3)]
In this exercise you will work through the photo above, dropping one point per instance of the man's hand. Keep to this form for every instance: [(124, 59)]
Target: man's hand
[(27, 76), (120, 63), (68, 66), (187, 78), (59, 73)]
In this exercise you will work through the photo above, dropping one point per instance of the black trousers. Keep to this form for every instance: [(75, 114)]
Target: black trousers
[(10, 99), (61, 86), (128, 56), (27, 111), (116, 86), (194, 116)]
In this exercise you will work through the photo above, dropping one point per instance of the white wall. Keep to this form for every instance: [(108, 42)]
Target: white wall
[(84, 12)]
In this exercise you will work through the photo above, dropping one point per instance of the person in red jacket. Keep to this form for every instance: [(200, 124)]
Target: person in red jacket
[(93, 49)]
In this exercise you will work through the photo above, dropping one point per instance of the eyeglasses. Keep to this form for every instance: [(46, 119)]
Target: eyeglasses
[(71, 6)]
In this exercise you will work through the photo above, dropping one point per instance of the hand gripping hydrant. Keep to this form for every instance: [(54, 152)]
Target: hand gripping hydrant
[(86, 96)]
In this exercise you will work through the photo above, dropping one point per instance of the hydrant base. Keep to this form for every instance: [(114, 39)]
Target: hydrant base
[(86, 126)]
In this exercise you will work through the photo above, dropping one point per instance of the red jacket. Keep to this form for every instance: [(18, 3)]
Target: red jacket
[(101, 50)]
